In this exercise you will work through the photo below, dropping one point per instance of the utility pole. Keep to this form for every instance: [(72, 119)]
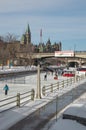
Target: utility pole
[(74, 49), (38, 95)]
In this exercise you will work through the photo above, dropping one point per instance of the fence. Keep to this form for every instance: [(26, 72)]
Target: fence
[(16, 101), (61, 84), (42, 117), (21, 99)]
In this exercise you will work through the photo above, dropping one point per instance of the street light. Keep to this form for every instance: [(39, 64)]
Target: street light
[(38, 95), (56, 107)]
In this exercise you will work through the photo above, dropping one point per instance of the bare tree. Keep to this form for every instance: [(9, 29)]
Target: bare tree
[(4, 55), (10, 38), (28, 54), (12, 45)]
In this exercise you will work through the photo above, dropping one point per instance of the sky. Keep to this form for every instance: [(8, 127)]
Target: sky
[(60, 20)]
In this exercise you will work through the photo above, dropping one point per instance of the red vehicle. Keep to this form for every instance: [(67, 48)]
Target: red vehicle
[(68, 73)]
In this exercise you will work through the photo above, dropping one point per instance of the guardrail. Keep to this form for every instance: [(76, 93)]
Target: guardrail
[(17, 101), (61, 84), (23, 98)]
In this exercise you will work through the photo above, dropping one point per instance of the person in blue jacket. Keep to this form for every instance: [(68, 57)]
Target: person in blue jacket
[(6, 88)]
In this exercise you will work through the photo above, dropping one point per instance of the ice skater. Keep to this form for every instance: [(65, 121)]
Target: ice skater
[(45, 77), (6, 88)]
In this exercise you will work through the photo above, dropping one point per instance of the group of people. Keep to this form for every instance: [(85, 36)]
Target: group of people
[(47, 73), (56, 74)]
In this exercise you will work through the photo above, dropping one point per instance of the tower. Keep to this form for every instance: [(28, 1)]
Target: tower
[(26, 38), (41, 44), (28, 35), (41, 36)]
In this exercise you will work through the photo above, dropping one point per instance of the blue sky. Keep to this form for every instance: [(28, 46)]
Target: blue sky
[(60, 20)]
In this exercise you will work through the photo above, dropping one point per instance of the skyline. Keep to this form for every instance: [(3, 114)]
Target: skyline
[(60, 20)]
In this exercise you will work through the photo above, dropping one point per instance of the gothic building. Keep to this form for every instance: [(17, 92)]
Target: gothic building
[(41, 47), (26, 38)]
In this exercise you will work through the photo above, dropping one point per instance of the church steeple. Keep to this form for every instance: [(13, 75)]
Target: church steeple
[(28, 29), (28, 35), (26, 38)]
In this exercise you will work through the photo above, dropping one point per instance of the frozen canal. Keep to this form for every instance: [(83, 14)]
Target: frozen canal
[(39, 117), (26, 83)]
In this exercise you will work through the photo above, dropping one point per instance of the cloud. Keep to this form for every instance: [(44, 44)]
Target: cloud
[(59, 19), (33, 5)]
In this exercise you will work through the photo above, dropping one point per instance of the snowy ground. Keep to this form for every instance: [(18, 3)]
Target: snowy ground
[(26, 83), (77, 108), (29, 82)]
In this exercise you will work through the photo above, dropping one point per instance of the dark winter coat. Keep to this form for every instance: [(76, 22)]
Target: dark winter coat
[(6, 87)]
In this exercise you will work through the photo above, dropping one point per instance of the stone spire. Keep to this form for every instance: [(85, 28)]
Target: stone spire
[(28, 35), (28, 29)]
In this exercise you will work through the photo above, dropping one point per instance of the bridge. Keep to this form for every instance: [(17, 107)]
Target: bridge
[(79, 57), (80, 54)]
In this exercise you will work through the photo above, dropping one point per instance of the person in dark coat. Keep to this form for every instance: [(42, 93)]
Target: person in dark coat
[(45, 77), (6, 88)]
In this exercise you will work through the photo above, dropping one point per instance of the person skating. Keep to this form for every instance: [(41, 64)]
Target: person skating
[(6, 88)]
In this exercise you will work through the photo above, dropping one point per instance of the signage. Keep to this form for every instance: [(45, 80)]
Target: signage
[(64, 53)]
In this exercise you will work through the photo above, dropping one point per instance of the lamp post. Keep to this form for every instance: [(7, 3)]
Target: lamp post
[(38, 95), (56, 107), (80, 62)]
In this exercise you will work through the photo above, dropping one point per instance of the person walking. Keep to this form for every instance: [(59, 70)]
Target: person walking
[(45, 77), (6, 88)]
